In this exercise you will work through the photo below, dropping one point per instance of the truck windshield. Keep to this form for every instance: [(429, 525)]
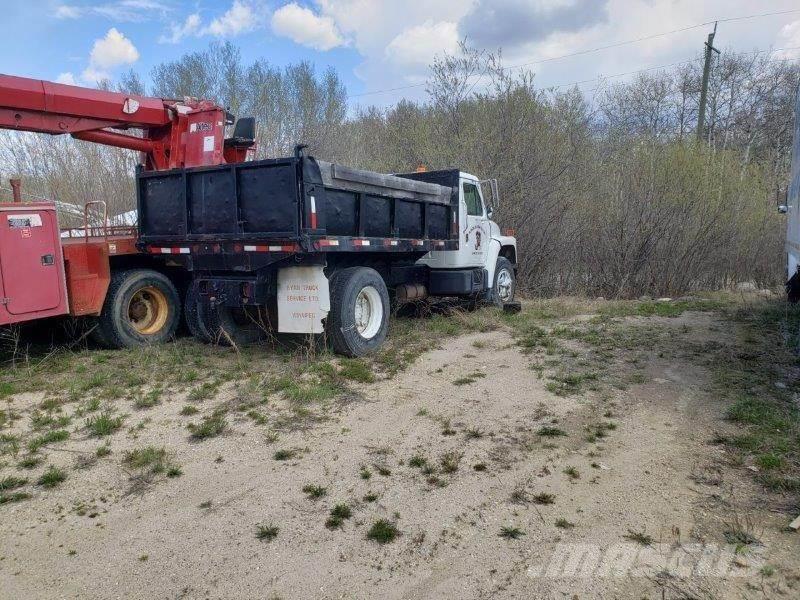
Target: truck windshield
[(473, 200)]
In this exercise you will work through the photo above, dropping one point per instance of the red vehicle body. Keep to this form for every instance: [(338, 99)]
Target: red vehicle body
[(45, 272)]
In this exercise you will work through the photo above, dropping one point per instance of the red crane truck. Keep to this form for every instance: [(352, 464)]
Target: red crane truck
[(238, 246)]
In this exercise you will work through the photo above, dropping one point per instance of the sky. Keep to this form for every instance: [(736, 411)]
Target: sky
[(382, 48)]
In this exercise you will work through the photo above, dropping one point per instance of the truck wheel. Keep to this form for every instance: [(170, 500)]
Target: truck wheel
[(359, 316), (191, 313), (504, 284), (228, 326), (141, 307)]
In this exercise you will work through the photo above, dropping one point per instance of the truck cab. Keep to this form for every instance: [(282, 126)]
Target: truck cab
[(482, 248)]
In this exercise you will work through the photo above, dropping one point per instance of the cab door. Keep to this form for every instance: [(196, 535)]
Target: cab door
[(475, 231)]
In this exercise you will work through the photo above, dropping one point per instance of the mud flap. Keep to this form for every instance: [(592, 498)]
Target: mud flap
[(303, 299)]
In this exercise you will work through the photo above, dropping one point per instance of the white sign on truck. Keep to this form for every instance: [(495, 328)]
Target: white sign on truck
[(303, 300)]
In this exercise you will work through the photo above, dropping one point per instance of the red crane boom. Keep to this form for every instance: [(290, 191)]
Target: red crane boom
[(175, 134)]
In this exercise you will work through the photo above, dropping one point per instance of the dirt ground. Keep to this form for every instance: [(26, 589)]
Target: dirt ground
[(627, 476)]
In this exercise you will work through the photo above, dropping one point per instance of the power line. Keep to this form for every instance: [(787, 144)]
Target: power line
[(667, 66), (598, 48)]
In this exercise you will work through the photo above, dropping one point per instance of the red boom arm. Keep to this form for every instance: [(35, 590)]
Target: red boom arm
[(175, 134)]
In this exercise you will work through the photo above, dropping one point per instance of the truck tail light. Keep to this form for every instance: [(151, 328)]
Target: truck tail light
[(509, 231)]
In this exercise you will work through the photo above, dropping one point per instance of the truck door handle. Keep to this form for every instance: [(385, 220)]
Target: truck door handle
[(48, 260)]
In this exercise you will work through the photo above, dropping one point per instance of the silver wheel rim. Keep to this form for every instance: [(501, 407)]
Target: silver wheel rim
[(368, 312), (505, 285)]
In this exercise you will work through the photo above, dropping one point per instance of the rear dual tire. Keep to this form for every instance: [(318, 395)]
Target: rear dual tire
[(359, 318), (217, 324)]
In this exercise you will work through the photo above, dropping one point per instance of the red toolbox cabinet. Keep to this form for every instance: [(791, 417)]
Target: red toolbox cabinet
[(32, 281)]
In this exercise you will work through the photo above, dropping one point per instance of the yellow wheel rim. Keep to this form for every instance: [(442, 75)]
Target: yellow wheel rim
[(148, 310)]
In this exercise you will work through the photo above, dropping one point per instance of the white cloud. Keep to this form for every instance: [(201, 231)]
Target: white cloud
[(790, 39), (303, 26), (134, 11), (191, 26), (113, 50), (65, 11), (417, 45), (67, 78), (240, 18), (109, 52)]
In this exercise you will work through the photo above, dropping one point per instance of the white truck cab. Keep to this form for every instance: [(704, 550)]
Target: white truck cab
[(481, 243)]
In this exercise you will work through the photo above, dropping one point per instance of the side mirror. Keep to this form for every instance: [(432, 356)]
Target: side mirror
[(783, 203), (490, 212)]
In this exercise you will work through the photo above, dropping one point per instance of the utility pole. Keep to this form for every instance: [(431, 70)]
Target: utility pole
[(701, 116)]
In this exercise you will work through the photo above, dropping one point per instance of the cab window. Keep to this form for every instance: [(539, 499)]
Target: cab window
[(473, 199)]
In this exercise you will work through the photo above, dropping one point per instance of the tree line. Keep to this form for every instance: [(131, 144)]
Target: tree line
[(609, 191)]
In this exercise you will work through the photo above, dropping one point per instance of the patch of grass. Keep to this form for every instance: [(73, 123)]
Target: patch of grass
[(314, 492), (544, 498), (284, 454), (640, 537), (549, 431), (30, 462), (572, 383), (210, 426), (53, 477), (520, 495), (204, 391), (257, 417), (148, 400), (174, 471), (103, 424), (468, 379), (449, 461), (189, 410), (9, 443), (572, 472), (365, 473), (40, 420), (205, 505), (338, 515), (149, 458), (770, 461), (102, 451), (51, 437), (473, 433), (383, 531), (14, 497), (654, 308), (564, 524), (11, 483), (370, 497), (511, 533), (447, 429), (267, 532), (480, 467), (417, 461), (356, 369)]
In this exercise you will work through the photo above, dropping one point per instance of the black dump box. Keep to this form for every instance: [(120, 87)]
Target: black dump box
[(312, 204)]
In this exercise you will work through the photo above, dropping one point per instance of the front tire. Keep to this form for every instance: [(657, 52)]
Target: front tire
[(141, 307), (359, 316), (504, 285)]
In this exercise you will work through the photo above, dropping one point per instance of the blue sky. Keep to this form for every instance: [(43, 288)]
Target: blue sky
[(380, 44)]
